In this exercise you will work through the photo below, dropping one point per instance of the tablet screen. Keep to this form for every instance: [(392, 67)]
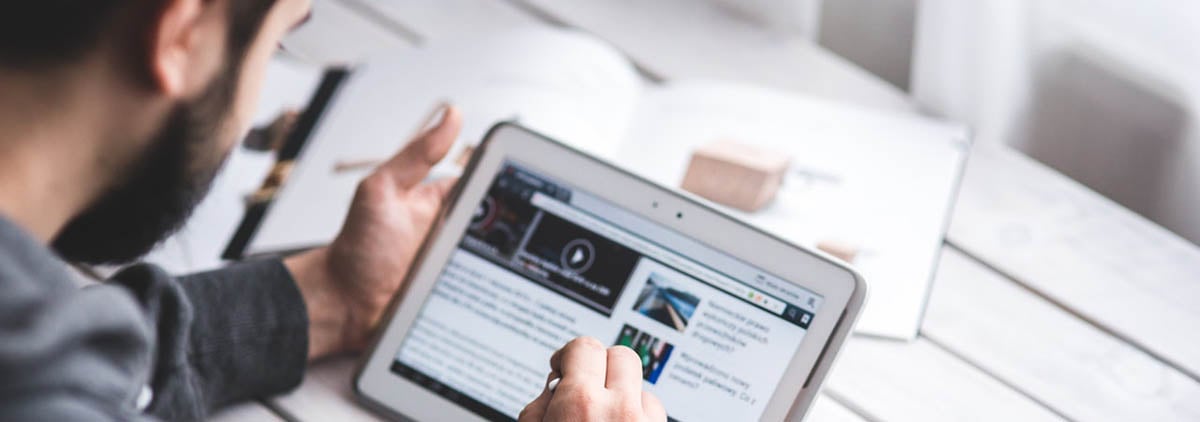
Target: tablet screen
[(542, 263)]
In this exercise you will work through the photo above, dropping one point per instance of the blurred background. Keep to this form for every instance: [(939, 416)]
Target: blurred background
[(1104, 91)]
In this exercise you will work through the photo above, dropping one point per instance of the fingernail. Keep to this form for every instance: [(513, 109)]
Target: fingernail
[(435, 119)]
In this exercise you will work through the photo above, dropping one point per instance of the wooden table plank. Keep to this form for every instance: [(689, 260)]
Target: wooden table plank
[(325, 395), (1044, 351), (918, 381), (826, 409), (442, 19), (245, 412), (1084, 252), (685, 39)]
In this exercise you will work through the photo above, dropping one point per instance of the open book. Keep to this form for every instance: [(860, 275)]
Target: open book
[(882, 183)]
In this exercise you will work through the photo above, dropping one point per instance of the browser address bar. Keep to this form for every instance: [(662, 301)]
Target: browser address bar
[(569, 213)]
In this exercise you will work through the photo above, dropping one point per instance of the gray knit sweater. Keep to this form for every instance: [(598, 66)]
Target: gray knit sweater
[(143, 345)]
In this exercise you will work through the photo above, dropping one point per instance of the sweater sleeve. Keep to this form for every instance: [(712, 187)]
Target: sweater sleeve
[(67, 354), (222, 336)]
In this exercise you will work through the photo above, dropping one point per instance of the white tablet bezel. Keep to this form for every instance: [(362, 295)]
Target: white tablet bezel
[(842, 288)]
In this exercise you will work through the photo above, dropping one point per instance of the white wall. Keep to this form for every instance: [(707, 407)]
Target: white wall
[(874, 34), (794, 17), (1106, 91)]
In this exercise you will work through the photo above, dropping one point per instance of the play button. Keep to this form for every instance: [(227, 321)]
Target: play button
[(578, 255)]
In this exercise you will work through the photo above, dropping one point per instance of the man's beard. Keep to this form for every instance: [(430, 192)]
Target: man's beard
[(161, 189)]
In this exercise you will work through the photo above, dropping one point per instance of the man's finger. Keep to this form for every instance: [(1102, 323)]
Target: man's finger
[(536, 409), (652, 407), (624, 370), (409, 167), (581, 362)]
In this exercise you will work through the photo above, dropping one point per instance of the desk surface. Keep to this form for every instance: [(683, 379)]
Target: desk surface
[(1051, 302)]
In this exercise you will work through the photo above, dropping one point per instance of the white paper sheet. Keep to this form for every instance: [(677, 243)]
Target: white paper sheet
[(882, 183), (564, 84)]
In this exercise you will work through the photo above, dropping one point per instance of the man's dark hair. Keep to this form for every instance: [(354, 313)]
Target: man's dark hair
[(36, 34)]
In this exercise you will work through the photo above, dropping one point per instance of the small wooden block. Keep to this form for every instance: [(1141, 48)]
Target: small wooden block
[(734, 174), (842, 251)]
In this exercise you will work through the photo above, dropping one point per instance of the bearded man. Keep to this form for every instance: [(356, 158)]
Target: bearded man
[(115, 115)]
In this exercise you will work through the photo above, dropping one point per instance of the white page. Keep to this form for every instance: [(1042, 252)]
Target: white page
[(896, 176), (564, 84)]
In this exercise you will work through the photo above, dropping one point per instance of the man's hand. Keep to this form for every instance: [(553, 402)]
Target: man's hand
[(596, 384), (347, 285)]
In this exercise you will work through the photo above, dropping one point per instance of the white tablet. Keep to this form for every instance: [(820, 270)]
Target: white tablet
[(541, 243)]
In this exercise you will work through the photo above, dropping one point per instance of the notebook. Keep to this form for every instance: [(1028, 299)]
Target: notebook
[(879, 183)]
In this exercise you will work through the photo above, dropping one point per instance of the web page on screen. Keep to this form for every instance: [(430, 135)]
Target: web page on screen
[(541, 264)]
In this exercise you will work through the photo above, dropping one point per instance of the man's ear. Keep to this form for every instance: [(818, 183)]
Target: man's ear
[(174, 45)]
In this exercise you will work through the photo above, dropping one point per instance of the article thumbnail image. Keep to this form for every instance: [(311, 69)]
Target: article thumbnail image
[(653, 351), (501, 220), (581, 261), (661, 301)]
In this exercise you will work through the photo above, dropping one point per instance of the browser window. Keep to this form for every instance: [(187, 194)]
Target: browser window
[(541, 264)]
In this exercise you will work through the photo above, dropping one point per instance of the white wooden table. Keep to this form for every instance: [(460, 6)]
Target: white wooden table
[(1051, 302)]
